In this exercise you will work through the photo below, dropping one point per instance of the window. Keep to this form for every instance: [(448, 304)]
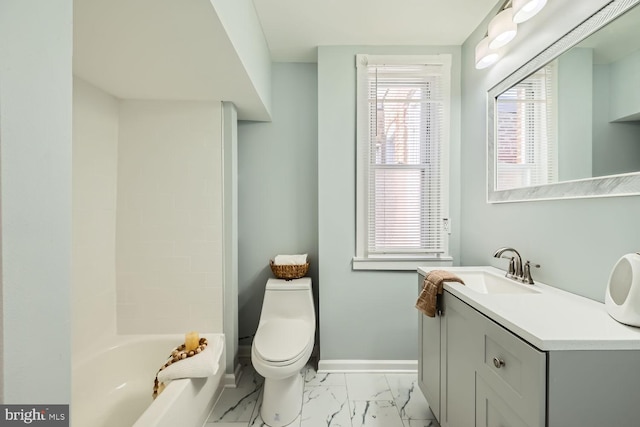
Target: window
[(403, 110), (526, 143)]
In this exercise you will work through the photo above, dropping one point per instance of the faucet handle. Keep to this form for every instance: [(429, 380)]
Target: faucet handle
[(512, 267), (511, 271), (526, 272)]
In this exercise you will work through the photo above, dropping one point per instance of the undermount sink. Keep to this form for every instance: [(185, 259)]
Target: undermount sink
[(488, 283)]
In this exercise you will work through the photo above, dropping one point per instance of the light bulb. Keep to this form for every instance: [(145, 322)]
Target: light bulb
[(526, 9), (502, 29), (484, 56)]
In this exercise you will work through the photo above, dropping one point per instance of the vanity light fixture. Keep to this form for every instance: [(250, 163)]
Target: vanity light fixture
[(526, 9), (484, 55), (502, 29)]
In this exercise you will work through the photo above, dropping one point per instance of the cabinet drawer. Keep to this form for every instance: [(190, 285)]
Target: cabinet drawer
[(515, 370)]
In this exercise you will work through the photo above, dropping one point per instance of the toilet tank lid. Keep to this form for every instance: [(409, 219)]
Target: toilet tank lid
[(288, 285)]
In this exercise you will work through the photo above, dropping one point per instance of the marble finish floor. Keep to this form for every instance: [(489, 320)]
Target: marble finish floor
[(331, 400)]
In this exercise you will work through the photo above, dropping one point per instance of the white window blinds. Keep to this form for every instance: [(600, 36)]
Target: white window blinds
[(403, 110), (526, 133)]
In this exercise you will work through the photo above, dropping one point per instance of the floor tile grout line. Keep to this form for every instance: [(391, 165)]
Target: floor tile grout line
[(332, 382), (348, 401), (395, 404)]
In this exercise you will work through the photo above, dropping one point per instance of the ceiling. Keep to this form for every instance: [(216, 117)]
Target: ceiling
[(180, 50), (294, 28)]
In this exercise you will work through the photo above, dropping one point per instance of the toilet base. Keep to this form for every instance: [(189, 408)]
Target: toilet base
[(282, 400)]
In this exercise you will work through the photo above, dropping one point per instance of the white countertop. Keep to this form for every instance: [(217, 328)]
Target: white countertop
[(552, 319)]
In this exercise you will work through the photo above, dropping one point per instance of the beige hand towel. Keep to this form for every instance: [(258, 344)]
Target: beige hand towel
[(428, 299)]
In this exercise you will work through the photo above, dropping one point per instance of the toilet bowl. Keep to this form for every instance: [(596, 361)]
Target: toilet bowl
[(282, 346), (622, 298)]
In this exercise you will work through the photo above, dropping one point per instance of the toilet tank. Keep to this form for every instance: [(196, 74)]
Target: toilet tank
[(289, 299)]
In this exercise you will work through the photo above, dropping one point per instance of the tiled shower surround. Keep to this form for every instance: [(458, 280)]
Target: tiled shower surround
[(169, 217)]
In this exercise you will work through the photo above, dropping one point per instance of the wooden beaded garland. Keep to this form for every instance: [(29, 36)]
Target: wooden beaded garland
[(177, 355)]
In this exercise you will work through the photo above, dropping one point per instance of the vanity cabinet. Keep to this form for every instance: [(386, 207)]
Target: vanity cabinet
[(474, 371)]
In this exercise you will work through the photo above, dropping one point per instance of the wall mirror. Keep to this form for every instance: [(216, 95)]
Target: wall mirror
[(567, 123)]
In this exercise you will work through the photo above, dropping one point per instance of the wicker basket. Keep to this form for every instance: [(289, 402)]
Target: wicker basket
[(289, 272)]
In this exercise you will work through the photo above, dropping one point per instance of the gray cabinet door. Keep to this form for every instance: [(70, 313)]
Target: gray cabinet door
[(429, 362), (492, 410), (460, 347)]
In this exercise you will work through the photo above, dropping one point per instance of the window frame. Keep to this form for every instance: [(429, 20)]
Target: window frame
[(363, 260), (541, 150)]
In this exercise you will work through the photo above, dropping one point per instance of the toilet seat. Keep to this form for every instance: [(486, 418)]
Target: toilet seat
[(281, 342)]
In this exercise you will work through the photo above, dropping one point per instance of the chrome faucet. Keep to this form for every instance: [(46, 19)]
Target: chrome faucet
[(515, 263), (517, 271)]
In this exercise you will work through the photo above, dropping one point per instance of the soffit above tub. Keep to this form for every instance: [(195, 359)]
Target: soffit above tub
[(294, 28), (173, 49)]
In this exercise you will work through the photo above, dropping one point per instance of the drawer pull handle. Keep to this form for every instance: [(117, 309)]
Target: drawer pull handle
[(498, 363)]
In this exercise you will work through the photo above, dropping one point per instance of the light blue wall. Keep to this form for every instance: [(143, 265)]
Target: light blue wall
[(601, 92), (35, 129), (363, 314), (616, 145), (625, 92), (575, 105), (577, 242), (277, 187)]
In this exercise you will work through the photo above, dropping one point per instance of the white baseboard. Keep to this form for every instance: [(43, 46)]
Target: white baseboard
[(372, 366), (231, 380)]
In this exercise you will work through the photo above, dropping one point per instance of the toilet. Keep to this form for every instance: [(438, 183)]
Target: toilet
[(282, 346), (622, 298)]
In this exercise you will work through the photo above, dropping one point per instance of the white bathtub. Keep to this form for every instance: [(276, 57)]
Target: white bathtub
[(113, 387)]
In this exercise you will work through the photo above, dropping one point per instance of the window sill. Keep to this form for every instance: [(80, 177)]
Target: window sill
[(400, 264)]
